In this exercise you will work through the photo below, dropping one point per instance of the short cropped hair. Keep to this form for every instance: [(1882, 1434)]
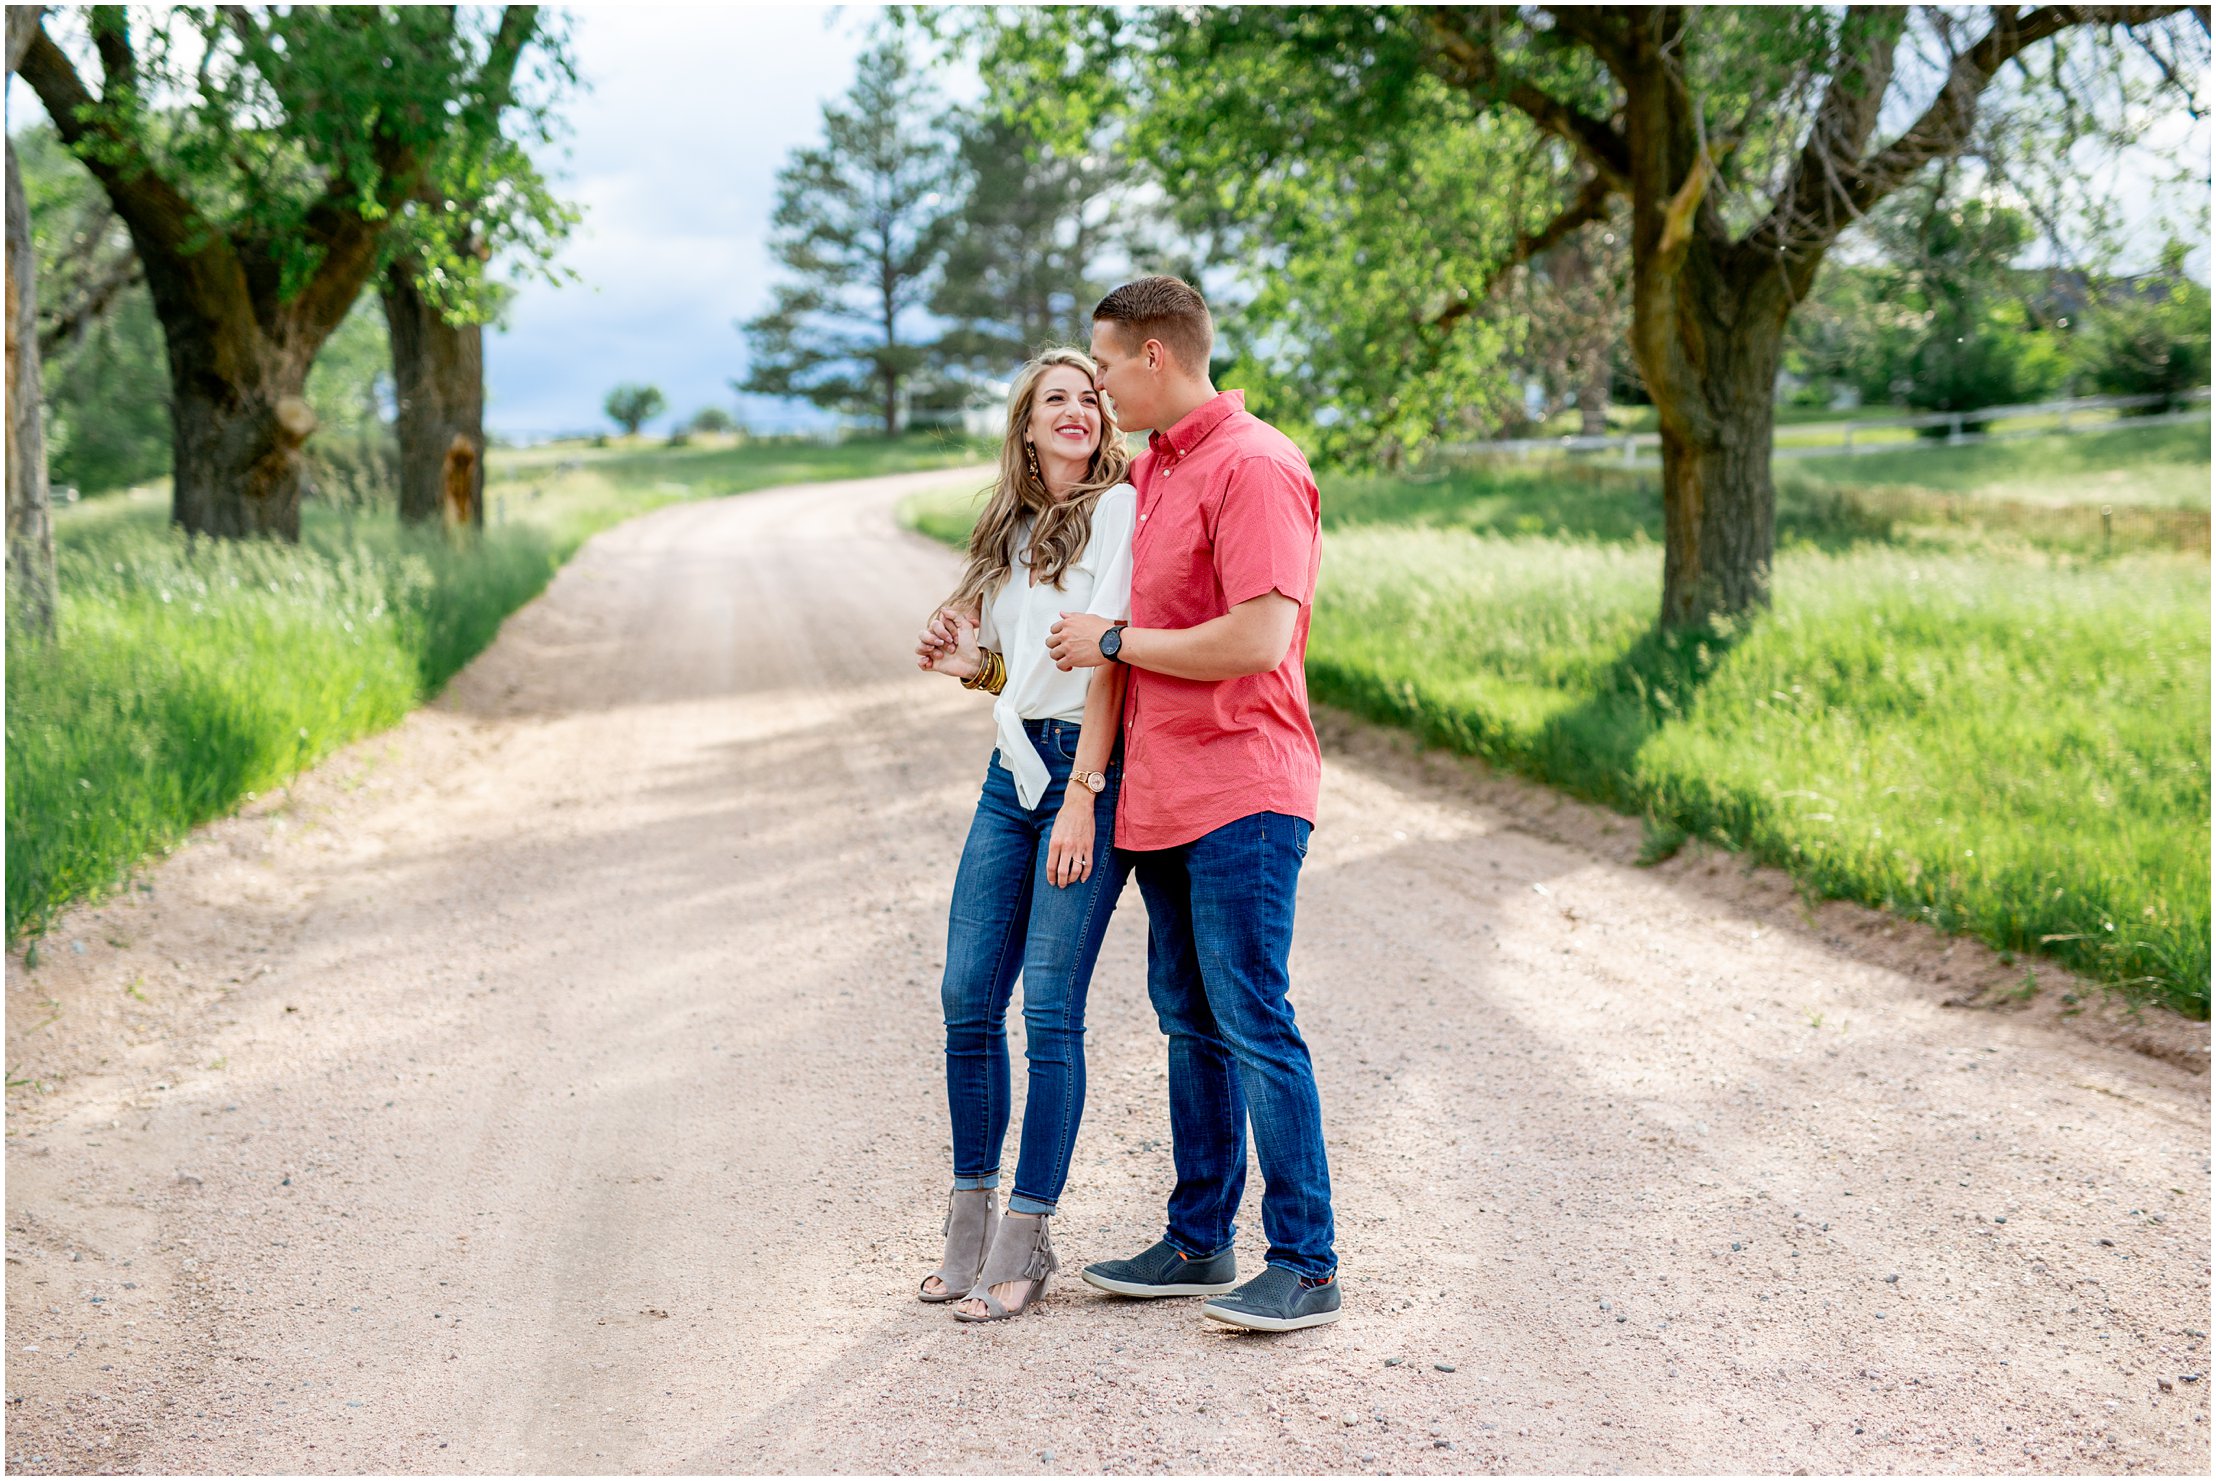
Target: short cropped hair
[(1167, 309)]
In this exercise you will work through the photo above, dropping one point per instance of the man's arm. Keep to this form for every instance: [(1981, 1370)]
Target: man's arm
[(1251, 638)]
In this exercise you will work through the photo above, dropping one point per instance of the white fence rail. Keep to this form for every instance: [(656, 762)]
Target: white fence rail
[(1631, 445)]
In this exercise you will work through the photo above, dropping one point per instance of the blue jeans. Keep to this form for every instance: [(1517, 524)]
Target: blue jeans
[(1220, 915), (1006, 918)]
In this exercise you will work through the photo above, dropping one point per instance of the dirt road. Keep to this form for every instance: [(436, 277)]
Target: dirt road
[(553, 1085)]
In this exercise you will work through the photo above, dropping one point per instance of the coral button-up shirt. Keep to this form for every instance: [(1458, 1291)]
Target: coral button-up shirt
[(1227, 511)]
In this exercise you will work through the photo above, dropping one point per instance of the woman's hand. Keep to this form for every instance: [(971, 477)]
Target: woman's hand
[(948, 644), (1069, 849)]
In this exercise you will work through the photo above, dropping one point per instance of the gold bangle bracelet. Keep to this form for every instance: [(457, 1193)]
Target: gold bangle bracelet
[(991, 675)]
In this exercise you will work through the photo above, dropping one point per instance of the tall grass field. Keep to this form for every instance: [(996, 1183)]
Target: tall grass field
[(1968, 715), (185, 679)]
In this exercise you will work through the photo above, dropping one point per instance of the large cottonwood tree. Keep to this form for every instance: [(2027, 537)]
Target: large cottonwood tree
[(1699, 107), (258, 156)]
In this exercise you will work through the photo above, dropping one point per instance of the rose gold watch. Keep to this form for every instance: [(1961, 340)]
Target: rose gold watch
[(1095, 782)]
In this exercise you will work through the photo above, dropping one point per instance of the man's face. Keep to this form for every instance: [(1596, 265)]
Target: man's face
[(1124, 377)]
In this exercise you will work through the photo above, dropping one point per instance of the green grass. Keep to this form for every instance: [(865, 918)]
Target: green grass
[(1995, 498), (2163, 467), (1963, 715), (719, 465), (186, 680), (946, 515), (1809, 426)]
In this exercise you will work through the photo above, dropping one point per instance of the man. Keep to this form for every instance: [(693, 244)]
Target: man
[(1221, 770)]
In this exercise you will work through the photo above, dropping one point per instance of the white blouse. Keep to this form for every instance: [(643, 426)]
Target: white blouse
[(1020, 615)]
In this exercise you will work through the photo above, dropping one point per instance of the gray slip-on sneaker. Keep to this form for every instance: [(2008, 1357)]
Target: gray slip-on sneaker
[(1164, 1270), (1276, 1301)]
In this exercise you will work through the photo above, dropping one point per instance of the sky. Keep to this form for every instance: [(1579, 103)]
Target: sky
[(674, 152)]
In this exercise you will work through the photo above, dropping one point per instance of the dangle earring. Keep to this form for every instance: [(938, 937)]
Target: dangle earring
[(1031, 458)]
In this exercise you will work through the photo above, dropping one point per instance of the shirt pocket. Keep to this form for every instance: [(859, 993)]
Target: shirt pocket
[(1175, 576)]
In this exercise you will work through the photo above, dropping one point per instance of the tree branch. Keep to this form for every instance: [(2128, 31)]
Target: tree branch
[(111, 38), (350, 243), (23, 24), (496, 82), (2182, 86), (1814, 193), (1474, 66), (1832, 186), (1678, 215), (1597, 29), (1947, 122), (1590, 204), (350, 240), (157, 213), (67, 323)]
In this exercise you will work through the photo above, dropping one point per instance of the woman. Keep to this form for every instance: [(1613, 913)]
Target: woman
[(1039, 875)]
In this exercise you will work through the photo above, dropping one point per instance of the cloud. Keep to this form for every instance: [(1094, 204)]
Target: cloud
[(674, 155)]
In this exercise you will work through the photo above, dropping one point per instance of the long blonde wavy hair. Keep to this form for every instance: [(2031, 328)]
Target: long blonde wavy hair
[(1062, 526)]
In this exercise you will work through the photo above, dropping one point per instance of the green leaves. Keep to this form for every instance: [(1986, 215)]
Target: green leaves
[(630, 406), (1023, 262), (1364, 206), (280, 127)]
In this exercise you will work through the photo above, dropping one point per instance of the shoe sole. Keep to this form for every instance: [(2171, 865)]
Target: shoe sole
[(1256, 1323), (1116, 1287)]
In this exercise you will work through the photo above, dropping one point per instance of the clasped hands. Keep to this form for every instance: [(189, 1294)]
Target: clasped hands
[(948, 643)]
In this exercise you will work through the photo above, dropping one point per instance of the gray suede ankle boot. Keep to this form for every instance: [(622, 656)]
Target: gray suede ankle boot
[(970, 1225), (1022, 1252)]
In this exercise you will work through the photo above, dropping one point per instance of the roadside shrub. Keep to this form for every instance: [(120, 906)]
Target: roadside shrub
[(2147, 347), (1994, 360)]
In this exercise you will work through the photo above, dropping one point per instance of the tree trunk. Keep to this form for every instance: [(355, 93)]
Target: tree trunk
[(30, 516), (1719, 509), (438, 373), (1592, 395), (238, 470), (1708, 329), (30, 511)]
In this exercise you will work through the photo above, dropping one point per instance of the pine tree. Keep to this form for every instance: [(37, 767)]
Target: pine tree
[(1023, 265), (862, 223)]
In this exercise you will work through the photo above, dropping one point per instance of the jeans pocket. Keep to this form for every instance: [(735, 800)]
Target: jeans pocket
[(1063, 741), (1300, 836)]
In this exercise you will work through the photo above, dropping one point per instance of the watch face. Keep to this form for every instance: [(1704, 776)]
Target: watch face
[(1111, 642)]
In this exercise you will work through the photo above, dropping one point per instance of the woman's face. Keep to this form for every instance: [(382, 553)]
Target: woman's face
[(1065, 416)]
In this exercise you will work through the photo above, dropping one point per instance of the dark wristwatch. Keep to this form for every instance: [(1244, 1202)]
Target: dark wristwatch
[(1111, 644)]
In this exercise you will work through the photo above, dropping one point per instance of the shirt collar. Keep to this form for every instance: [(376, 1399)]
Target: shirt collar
[(1193, 428)]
